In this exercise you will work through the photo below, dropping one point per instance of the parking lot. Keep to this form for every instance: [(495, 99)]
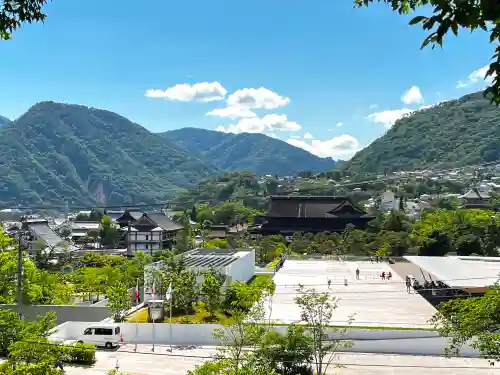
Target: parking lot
[(145, 362), (373, 302)]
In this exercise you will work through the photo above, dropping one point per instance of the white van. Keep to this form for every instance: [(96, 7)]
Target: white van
[(107, 335)]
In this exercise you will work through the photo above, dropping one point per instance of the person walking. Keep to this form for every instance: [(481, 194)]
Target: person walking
[(389, 275), (408, 284), (329, 283), (357, 273), (383, 276)]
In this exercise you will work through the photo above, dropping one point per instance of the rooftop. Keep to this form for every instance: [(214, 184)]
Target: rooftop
[(42, 230), (204, 258), (313, 207), (460, 272)]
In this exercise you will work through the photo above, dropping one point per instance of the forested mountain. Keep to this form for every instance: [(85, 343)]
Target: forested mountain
[(454, 133), (252, 152), (57, 152), (3, 121)]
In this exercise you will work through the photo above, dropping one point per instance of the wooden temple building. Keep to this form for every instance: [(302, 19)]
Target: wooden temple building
[(310, 214)]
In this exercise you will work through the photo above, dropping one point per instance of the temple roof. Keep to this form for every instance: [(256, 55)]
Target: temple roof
[(313, 207)]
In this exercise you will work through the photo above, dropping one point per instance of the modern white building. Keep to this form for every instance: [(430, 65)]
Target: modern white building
[(235, 264)]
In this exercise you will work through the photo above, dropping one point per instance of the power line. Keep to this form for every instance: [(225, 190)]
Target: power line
[(215, 357)]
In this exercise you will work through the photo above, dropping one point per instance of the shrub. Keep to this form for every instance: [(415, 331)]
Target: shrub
[(79, 353)]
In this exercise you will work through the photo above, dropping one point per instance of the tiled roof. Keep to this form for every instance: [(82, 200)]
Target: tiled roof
[(312, 207), (47, 235), (163, 221)]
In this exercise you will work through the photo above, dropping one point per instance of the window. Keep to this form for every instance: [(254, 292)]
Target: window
[(104, 331), (117, 330), (88, 331), (147, 246)]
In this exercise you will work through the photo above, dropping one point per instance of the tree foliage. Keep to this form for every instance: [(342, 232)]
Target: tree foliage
[(471, 319), (15, 12), (316, 312), (448, 17)]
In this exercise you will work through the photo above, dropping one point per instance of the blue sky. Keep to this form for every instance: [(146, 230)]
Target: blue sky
[(318, 74)]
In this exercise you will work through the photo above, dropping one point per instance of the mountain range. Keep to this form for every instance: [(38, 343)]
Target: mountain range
[(454, 133), (62, 152), (248, 151)]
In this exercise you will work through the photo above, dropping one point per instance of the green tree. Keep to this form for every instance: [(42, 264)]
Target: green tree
[(110, 234), (437, 244), (450, 16), (211, 292), (6, 242), (290, 353), (14, 13), (473, 320), (119, 300), (316, 312), (13, 329)]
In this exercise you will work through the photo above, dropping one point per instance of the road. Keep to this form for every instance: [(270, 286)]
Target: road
[(144, 362)]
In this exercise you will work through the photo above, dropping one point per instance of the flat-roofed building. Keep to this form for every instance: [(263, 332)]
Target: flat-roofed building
[(472, 275), (235, 264)]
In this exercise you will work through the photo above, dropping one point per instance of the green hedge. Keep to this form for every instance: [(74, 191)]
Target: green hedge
[(79, 353)]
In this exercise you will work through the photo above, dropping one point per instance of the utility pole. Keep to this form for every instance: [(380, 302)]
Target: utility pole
[(20, 276)]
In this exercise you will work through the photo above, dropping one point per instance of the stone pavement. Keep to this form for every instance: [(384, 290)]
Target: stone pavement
[(372, 301)]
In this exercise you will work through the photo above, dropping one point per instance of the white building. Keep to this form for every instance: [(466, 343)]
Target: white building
[(388, 201), (235, 264)]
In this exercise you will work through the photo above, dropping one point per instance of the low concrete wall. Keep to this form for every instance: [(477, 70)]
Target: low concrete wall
[(202, 334), (365, 341), (64, 313)]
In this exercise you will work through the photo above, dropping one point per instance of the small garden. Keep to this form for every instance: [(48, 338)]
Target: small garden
[(212, 302)]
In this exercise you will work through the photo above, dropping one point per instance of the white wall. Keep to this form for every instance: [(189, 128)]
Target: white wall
[(242, 269), (202, 334)]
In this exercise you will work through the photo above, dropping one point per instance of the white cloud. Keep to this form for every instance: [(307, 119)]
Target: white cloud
[(340, 124), (477, 76), (295, 136), (232, 113), (308, 136), (412, 96), (269, 123), (389, 117), (257, 98), (373, 106), (185, 92), (344, 146)]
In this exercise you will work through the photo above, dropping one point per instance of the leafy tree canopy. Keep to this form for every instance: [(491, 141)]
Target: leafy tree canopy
[(15, 12)]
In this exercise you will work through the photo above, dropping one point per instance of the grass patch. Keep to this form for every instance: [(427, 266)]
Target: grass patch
[(198, 316), (273, 264), (259, 279)]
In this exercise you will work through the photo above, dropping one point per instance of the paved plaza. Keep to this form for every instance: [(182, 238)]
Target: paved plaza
[(372, 301), (144, 362)]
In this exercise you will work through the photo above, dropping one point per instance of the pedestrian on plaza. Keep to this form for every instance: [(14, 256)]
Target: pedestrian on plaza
[(383, 275), (345, 281), (389, 275), (408, 284), (357, 273), (329, 283), (371, 258)]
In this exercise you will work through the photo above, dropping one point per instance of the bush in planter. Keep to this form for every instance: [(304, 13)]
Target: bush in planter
[(79, 353)]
